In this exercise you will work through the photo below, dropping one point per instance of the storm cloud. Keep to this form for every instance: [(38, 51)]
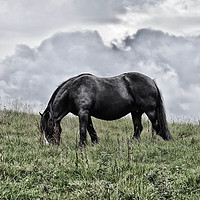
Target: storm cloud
[(173, 61)]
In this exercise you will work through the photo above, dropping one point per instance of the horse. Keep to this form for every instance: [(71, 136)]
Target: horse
[(109, 98)]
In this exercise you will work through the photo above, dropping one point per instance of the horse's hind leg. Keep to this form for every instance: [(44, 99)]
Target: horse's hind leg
[(154, 120), (91, 131), (137, 117), (83, 121)]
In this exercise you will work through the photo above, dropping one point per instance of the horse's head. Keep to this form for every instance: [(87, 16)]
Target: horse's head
[(50, 128)]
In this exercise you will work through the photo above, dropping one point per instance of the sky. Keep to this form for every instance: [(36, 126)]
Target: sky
[(45, 42)]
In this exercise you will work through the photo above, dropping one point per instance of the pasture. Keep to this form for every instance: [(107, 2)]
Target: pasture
[(114, 169)]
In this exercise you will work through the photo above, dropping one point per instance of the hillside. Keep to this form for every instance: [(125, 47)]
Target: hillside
[(114, 169)]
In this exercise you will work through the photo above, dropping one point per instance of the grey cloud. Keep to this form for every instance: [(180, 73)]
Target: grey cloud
[(107, 11), (34, 73), (172, 52), (35, 16), (28, 22)]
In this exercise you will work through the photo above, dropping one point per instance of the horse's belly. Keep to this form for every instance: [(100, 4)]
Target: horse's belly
[(111, 110)]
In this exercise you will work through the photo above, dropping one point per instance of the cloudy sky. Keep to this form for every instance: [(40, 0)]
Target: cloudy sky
[(44, 42)]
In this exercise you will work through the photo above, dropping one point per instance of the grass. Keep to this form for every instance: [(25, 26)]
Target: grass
[(114, 169)]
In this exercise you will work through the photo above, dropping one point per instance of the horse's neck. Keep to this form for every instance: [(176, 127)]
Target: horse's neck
[(56, 105), (58, 111)]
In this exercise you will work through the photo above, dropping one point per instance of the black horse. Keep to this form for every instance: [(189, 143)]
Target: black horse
[(111, 98)]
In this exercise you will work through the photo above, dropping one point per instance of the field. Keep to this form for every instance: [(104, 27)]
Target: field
[(114, 169)]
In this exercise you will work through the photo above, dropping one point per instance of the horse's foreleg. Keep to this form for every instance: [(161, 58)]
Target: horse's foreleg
[(83, 121), (91, 131), (136, 117), (57, 132)]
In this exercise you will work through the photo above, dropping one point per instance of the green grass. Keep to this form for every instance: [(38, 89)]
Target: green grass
[(114, 169)]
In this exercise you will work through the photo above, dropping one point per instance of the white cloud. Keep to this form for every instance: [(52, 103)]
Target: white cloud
[(34, 73), (179, 17)]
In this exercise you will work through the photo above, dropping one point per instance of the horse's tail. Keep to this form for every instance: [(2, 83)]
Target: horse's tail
[(162, 121)]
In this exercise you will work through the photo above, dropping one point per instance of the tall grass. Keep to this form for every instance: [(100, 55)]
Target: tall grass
[(117, 168)]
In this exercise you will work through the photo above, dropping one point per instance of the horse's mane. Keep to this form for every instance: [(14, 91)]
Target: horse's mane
[(61, 85)]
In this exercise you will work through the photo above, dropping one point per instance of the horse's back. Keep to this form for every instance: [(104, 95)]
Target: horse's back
[(113, 97)]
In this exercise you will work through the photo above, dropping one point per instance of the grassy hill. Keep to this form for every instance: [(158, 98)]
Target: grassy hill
[(114, 169)]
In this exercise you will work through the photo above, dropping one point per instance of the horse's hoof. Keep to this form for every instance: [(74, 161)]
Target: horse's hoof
[(82, 144)]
